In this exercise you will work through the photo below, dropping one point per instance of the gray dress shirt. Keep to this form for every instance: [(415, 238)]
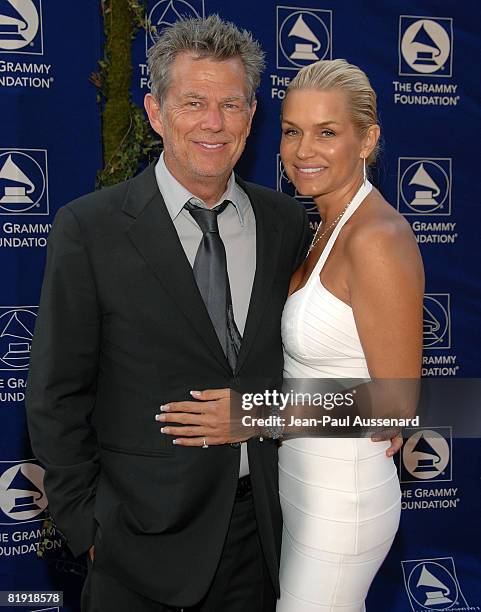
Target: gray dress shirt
[(237, 228)]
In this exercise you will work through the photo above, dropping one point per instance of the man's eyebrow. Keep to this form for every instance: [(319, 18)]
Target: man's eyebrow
[(193, 94), (197, 96)]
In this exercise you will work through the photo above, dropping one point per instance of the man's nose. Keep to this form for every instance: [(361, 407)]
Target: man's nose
[(213, 119)]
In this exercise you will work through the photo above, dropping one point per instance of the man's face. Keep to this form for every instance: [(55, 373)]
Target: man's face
[(204, 120)]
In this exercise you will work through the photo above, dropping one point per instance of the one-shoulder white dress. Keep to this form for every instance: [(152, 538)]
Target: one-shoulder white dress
[(340, 497)]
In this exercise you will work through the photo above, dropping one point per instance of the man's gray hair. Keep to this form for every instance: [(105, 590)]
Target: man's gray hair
[(210, 38)]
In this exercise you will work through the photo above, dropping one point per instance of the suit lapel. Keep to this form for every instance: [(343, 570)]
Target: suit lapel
[(268, 242), (155, 238)]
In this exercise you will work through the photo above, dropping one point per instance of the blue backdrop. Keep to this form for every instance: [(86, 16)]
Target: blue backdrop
[(420, 57)]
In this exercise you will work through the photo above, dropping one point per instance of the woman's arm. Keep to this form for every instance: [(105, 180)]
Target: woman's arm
[(386, 285)]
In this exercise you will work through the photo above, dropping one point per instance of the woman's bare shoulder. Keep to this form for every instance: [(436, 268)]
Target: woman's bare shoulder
[(378, 226)]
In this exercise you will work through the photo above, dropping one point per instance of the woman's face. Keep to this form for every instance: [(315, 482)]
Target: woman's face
[(320, 147)]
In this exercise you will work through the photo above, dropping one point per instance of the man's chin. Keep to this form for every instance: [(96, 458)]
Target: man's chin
[(212, 172)]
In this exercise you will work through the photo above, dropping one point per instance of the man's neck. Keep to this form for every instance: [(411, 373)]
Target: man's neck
[(210, 194)]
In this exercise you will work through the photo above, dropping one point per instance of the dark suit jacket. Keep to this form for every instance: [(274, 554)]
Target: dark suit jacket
[(121, 330)]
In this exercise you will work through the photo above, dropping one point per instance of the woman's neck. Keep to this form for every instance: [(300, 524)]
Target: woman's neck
[(330, 205)]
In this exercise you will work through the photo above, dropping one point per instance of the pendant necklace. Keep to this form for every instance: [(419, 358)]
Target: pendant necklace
[(316, 238)]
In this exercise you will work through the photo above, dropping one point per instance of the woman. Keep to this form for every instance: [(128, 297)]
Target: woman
[(354, 311)]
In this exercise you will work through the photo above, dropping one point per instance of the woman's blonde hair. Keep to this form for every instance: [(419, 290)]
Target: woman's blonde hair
[(340, 75)]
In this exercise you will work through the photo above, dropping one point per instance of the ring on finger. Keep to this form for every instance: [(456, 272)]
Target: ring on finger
[(205, 445)]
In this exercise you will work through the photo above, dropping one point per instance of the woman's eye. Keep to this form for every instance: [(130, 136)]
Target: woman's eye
[(327, 133), (290, 132)]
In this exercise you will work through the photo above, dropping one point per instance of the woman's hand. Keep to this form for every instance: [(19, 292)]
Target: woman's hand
[(204, 422)]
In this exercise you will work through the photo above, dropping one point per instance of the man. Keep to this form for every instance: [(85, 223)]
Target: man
[(137, 311)]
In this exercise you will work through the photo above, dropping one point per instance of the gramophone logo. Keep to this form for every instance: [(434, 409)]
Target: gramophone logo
[(166, 12), (304, 35), (21, 27), (22, 494), (16, 333), (432, 584), (425, 46), (286, 186), (437, 321), (23, 182), (427, 455), (424, 186)]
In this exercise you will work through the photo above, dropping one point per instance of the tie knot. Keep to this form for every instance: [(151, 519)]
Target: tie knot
[(206, 218)]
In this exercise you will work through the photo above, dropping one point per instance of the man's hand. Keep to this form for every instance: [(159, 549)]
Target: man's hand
[(396, 441), (91, 553), (205, 421)]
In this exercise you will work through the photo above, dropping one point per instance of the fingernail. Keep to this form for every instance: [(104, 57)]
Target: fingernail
[(196, 393), (160, 417), (162, 429), (165, 408), (174, 441)]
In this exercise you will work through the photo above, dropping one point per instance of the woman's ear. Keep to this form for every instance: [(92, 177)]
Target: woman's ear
[(370, 140)]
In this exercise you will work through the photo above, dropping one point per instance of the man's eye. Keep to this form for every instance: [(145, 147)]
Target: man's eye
[(290, 132), (193, 104)]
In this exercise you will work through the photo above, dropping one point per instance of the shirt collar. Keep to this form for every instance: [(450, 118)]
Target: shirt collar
[(176, 195)]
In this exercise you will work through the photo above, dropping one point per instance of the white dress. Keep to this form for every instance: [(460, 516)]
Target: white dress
[(340, 497)]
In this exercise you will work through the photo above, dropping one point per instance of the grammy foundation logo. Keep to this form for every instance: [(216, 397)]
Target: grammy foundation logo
[(432, 584), (22, 494), (424, 186), (426, 456), (16, 334), (21, 26), (437, 321), (23, 182), (304, 36), (425, 46)]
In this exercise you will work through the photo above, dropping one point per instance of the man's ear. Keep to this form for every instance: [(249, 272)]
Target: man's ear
[(370, 140), (152, 108)]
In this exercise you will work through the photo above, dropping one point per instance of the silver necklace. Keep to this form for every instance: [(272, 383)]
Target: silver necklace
[(316, 238)]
